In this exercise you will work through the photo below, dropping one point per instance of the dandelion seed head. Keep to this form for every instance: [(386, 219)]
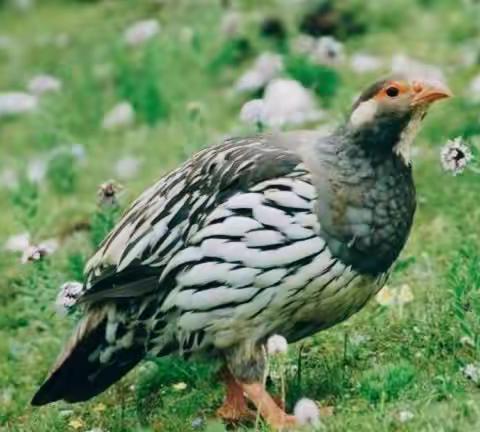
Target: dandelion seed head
[(405, 416), (307, 413), (455, 156), (277, 344)]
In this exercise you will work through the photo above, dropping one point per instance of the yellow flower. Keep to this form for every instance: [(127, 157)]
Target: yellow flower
[(394, 296), (99, 407), (76, 423), (179, 386)]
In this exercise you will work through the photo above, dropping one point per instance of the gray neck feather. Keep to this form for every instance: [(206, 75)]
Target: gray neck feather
[(366, 198)]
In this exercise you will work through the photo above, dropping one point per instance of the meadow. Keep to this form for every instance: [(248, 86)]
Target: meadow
[(410, 361)]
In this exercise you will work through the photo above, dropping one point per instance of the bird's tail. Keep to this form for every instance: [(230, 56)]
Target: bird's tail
[(97, 355)]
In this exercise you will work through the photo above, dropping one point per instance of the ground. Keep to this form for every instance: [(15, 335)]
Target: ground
[(374, 369)]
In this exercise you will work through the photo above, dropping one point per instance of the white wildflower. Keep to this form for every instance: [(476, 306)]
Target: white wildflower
[(266, 67), (472, 372), (405, 416), (303, 44), (14, 103), (127, 167), (197, 423), (141, 31), (120, 115), (277, 344), (18, 242), (474, 89), (365, 63), (38, 252), (37, 169), (307, 413), (467, 340), (67, 296), (78, 152), (412, 67), (327, 51), (42, 84), (230, 24), (455, 156), (8, 178), (394, 296), (287, 102), (252, 112)]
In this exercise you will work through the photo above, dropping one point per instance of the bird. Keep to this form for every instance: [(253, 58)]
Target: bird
[(284, 233)]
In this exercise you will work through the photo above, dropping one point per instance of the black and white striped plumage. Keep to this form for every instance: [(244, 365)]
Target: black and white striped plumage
[(287, 233)]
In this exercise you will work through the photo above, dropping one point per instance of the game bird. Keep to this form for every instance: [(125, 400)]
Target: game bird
[(283, 233)]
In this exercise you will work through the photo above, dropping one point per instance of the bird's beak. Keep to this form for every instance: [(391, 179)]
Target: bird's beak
[(428, 92)]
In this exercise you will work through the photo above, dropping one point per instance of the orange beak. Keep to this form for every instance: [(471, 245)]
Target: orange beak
[(428, 92)]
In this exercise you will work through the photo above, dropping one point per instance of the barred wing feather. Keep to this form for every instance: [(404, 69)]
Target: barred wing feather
[(161, 221)]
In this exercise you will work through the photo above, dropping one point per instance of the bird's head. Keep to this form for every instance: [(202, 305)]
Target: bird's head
[(387, 115)]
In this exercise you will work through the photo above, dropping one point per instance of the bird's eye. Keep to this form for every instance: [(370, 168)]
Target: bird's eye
[(392, 91)]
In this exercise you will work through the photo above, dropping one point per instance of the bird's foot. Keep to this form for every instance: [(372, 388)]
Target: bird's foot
[(278, 400), (234, 408), (286, 422), (235, 413), (268, 408)]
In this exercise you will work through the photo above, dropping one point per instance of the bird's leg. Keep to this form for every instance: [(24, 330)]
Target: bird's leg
[(267, 407), (234, 407)]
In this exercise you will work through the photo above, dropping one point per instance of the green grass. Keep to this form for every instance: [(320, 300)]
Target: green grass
[(370, 368)]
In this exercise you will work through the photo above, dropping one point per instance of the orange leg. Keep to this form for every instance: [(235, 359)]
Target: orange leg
[(268, 408), (234, 408)]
